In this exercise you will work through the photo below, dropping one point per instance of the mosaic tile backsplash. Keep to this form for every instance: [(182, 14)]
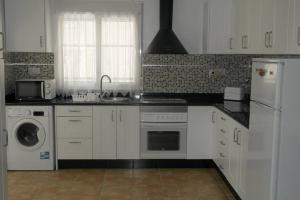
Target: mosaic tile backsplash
[(19, 64), (190, 73)]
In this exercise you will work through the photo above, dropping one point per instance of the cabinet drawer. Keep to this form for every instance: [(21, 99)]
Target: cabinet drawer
[(74, 127), (223, 129), (222, 142), (223, 165), (74, 149), (222, 157), (73, 111)]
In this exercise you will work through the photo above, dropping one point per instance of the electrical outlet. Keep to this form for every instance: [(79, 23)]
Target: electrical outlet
[(33, 71), (215, 73)]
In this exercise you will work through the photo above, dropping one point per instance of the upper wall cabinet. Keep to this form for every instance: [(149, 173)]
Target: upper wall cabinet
[(294, 27), (26, 25), (253, 26), (274, 26), (218, 37)]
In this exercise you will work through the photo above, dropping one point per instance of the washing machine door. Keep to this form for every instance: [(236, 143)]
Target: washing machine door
[(29, 135)]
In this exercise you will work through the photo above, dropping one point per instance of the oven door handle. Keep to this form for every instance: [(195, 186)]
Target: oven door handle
[(164, 125)]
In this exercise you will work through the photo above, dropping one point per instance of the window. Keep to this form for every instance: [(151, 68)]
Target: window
[(93, 45), (79, 49), (118, 40)]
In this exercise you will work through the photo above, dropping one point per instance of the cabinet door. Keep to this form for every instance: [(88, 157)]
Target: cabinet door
[(243, 134), (219, 26), (25, 29), (280, 37), (104, 132), (215, 135), (294, 27), (253, 13), (241, 24), (234, 159), (199, 136), (267, 25), (128, 132)]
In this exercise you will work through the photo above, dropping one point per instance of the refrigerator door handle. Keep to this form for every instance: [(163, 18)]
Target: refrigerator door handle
[(263, 105)]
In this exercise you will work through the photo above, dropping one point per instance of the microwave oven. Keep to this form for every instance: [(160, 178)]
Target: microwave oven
[(35, 89)]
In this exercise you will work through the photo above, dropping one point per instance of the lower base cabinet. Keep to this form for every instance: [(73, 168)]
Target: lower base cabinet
[(97, 132), (116, 132), (199, 134), (230, 150), (75, 149)]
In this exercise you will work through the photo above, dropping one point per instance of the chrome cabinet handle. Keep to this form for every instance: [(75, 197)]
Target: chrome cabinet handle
[(75, 142), (121, 119), (266, 39), (243, 39), (222, 155), (112, 116), (74, 111), (74, 120), (223, 131), (234, 135), (213, 117), (230, 43), (41, 41), (246, 41), (271, 39), (2, 38), (299, 36), (222, 143), (238, 138)]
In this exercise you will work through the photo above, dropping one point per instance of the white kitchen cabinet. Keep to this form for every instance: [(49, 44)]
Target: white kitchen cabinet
[(74, 149), (26, 25), (247, 25), (219, 26), (231, 146), (116, 132), (74, 132), (294, 27), (128, 132), (104, 132), (199, 134), (222, 129), (274, 26)]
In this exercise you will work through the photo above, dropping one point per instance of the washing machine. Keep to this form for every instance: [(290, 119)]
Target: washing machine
[(31, 138)]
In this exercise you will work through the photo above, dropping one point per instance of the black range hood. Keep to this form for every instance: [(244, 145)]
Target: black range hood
[(165, 41)]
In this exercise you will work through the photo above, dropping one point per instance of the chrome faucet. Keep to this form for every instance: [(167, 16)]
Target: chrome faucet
[(101, 85)]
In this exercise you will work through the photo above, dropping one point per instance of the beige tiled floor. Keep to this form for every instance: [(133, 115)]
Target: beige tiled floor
[(118, 184)]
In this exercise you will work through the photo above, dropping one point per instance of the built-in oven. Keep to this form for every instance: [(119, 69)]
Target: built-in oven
[(163, 132)]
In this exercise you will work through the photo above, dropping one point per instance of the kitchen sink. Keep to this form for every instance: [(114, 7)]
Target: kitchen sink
[(115, 99)]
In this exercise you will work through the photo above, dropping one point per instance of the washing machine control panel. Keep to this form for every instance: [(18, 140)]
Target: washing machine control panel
[(25, 112)]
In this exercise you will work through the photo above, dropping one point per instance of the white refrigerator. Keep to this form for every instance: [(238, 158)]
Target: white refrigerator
[(273, 160)]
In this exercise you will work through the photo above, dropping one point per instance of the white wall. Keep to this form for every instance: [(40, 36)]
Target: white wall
[(187, 23)]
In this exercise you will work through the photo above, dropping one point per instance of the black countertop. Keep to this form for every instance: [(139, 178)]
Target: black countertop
[(241, 115), (239, 111)]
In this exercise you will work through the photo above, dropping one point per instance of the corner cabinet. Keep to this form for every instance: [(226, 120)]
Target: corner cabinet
[(199, 134), (27, 25), (116, 132), (230, 150)]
